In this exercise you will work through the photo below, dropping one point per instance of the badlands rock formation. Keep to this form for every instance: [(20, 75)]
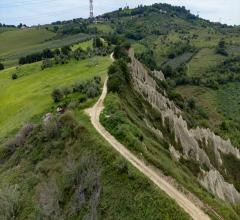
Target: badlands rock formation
[(192, 141)]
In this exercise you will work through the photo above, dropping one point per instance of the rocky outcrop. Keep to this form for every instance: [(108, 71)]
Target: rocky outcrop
[(215, 183), (158, 74), (192, 141)]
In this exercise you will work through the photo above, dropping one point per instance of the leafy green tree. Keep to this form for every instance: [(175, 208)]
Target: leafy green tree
[(1, 66), (46, 63), (57, 95), (191, 104), (14, 76), (66, 50), (97, 42)]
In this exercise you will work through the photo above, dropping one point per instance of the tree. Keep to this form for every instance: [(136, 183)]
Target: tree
[(221, 48), (14, 76), (191, 104), (168, 71), (1, 66), (47, 53), (46, 63), (66, 50), (97, 42), (57, 95)]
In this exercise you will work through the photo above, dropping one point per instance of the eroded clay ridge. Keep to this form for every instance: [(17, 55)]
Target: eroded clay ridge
[(195, 141)]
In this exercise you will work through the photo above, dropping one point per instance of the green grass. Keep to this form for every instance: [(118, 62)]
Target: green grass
[(125, 193), (204, 97), (177, 61), (84, 45), (123, 118), (228, 97), (203, 61), (18, 43), (104, 28), (29, 95)]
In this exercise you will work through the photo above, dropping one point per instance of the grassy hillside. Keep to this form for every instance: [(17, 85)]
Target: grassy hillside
[(139, 126), (69, 172), (29, 95), (21, 42), (61, 168)]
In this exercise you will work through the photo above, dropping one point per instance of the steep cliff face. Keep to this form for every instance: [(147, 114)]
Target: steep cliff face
[(196, 143)]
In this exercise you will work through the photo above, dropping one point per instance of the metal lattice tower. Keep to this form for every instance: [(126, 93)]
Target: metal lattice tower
[(91, 9)]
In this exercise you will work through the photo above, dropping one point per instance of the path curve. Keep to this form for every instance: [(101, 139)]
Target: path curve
[(195, 212)]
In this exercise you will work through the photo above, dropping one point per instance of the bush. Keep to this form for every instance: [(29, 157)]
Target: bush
[(14, 76), (21, 137), (46, 63), (1, 66), (57, 95), (9, 202), (92, 92), (68, 120), (80, 54), (191, 104), (61, 59), (97, 42), (50, 129), (66, 50)]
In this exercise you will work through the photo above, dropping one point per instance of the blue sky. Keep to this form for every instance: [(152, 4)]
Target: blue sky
[(34, 12)]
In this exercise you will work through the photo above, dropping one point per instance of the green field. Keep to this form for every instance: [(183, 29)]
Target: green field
[(103, 28), (18, 43), (222, 105), (84, 45), (203, 61), (228, 97), (29, 95)]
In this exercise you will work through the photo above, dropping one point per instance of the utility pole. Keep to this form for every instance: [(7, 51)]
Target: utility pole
[(91, 10)]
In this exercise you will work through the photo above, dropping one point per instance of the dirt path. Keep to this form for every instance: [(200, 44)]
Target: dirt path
[(189, 207)]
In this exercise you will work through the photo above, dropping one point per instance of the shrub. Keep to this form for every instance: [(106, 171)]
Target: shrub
[(48, 198), (61, 59), (21, 137), (1, 66), (191, 104), (121, 165), (14, 76), (224, 126), (68, 120), (80, 54), (92, 92), (97, 42), (66, 50), (9, 202), (67, 91), (46, 63), (97, 79), (57, 95), (50, 129)]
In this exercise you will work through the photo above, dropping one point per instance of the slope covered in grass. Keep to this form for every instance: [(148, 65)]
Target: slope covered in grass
[(63, 169), (21, 42), (29, 95)]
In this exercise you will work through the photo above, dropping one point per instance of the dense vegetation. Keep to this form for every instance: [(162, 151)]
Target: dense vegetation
[(53, 170), (123, 117)]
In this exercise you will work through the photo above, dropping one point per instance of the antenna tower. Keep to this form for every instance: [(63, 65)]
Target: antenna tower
[(91, 9)]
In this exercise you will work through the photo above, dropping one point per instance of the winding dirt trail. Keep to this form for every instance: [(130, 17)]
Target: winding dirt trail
[(195, 212)]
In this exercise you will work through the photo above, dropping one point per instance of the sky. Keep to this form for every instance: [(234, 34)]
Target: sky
[(33, 12)]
